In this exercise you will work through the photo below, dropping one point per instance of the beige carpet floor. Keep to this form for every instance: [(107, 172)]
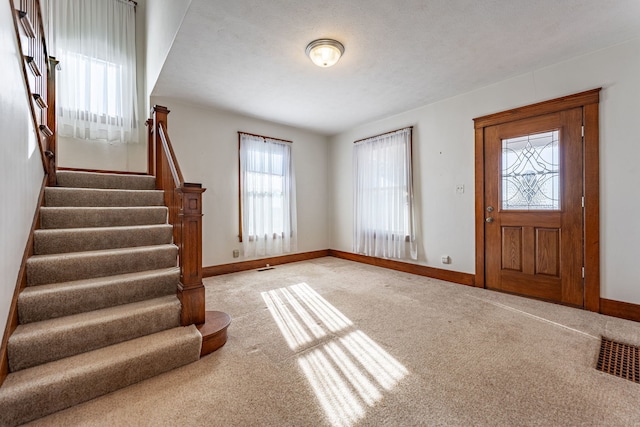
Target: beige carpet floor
[(334, 343)]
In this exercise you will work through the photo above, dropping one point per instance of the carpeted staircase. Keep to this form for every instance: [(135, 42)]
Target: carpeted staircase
[(100, 310)]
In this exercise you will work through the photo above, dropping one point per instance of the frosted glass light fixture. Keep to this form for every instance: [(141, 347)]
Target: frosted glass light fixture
[(324, 52)]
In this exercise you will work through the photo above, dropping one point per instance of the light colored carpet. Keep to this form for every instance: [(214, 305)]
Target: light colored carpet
[(352, 344)]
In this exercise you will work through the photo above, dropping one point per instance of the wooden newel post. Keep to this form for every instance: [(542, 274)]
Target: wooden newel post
[(191, 290), (184, 201), (151, 164), (160, 114)]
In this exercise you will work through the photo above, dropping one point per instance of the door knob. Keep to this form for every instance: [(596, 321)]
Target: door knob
[(489, 219)]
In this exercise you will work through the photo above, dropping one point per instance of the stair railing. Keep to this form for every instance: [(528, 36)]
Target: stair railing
[(184, 201), (40, 74)]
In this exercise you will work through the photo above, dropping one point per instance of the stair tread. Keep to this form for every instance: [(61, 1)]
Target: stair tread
[(100, 252), (95, 317), (123, 228), (38, 391), (97, 208), (67, 240), (81, 197), (95, 282), (85, 179), (41, 302), (87, 173), (41, 342), (69, 366), (56, 268), (56, 217), (86, 190), (82, 320)]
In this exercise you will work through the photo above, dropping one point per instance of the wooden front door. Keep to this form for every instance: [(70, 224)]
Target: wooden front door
[(533, 206)]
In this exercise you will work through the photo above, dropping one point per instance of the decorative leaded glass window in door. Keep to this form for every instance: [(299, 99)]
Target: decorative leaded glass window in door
[(530, 172)]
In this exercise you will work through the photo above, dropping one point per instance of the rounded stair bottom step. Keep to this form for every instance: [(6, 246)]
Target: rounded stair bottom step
[(214, 331)]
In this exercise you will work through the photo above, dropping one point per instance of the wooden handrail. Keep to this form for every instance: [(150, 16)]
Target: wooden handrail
[(39, 72), (184, 201), (173, 163)]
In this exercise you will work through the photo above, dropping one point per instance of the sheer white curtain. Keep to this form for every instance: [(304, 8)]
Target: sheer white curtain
[(384, 223), (94, 40), (268, 196)]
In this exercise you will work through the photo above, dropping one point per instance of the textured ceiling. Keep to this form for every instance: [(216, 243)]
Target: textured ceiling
[(247, 56)]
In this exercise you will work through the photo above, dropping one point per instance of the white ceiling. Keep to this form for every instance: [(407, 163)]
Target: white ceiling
[(247, 56)]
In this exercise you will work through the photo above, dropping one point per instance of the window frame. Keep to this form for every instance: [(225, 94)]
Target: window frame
[(240, 205)]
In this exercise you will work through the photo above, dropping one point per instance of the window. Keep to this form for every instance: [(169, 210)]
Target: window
[(267, 196), (531, 172), (383, 193), (97, 92)]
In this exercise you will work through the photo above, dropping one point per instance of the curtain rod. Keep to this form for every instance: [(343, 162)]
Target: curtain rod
[(382, 134), (265, 137), (131, 2)]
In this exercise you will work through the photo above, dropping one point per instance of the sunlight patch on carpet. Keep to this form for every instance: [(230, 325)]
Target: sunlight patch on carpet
[(291, 328), (303, 315), (348, 373), (386, 370), (332, 318), (333, 391)]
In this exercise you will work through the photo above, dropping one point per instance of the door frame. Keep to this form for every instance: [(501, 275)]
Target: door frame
[(589, 102)]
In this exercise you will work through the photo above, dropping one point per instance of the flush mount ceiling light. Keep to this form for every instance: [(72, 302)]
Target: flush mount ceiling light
[(324, 52)]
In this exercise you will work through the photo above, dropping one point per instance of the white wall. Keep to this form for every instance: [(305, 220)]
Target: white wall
[(79, 153), (444, 158), (20, 164), (206, 144), (83, 154), (164, 18)]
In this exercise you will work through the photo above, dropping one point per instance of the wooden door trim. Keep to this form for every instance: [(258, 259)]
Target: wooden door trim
[(589, 102), (591, 207), (545, 107)]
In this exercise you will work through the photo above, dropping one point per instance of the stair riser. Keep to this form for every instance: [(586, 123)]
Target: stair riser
[(86, 265), (55, 218), (93, 180), (56, 197), (45, 302), (93, 239), (26, 395), (38, 345)]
